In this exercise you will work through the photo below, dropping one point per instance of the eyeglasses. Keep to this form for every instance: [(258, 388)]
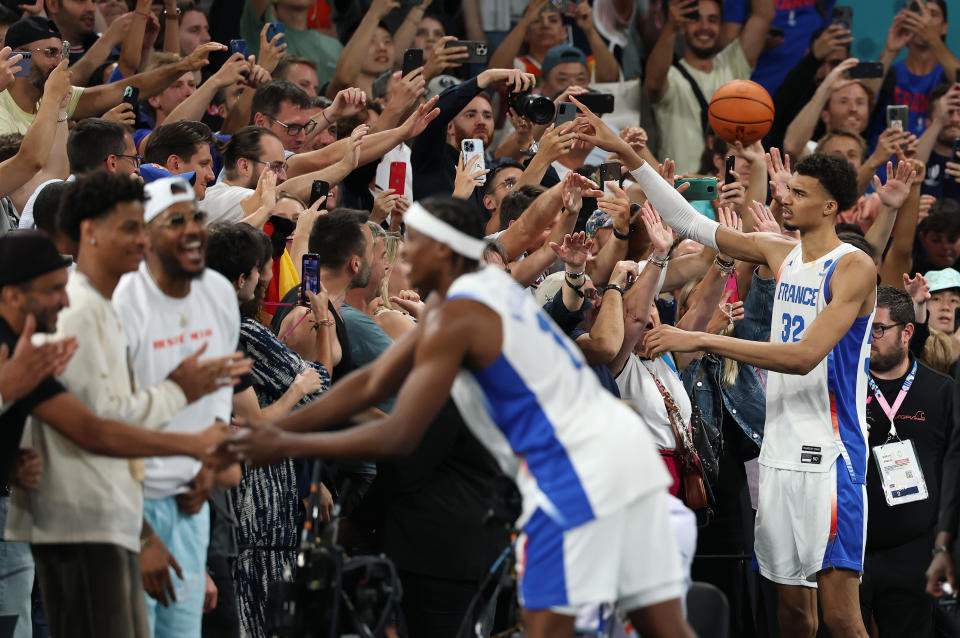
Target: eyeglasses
[(50, 52), (136, 159), (294, 129), (276, 167), (878, 329), (179, 220), (509, 183)]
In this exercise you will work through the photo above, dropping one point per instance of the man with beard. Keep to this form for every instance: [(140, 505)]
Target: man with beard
[(169, 307), (85, 514), (465, 113), (909, 402), (671, 87), (18, 104), (943, 127)]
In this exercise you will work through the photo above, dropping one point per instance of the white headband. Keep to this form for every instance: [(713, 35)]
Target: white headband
[(419, 218)]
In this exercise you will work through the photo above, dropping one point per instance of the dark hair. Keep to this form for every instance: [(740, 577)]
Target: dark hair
[(95, 196), (234, 249), (9, 145), (177, 138), (243, 143), (844, 227), (836, 176), (46, 207), (858, 241), (462, 215), (944, 218), (268, 98), (517, 201), (338, 236), (91, 141), (898, 302), (505, 164)]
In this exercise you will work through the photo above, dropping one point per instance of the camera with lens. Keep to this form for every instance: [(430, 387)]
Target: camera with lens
[(536, 108)]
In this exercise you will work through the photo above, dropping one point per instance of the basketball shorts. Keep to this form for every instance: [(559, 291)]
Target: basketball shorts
[(807, 522), (629, 557)]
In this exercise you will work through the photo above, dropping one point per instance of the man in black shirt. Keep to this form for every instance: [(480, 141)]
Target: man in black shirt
[(917, 402)]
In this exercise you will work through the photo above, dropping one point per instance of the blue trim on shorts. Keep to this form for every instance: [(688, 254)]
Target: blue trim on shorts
[(846, 549), (544, 582)]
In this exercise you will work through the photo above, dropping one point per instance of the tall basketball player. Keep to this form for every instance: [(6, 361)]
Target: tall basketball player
[(811, 519)]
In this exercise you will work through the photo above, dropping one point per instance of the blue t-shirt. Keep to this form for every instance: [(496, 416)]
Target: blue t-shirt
[(937, 182), (798, 19)]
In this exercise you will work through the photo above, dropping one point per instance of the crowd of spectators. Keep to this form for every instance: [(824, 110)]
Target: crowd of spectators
[(174, 175)]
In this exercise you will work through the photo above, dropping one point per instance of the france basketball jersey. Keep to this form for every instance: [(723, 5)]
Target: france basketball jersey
[(816, 417), (577, 452)]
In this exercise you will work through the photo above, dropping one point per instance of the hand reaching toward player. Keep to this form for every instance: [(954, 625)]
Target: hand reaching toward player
[(616, 204), (894, 192), (778, 170), (661, 237), (573, 251)]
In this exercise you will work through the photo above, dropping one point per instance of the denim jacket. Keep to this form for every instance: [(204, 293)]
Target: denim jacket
[(745, 400)]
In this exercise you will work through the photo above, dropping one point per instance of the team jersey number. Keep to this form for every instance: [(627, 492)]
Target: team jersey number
[(791, 324)]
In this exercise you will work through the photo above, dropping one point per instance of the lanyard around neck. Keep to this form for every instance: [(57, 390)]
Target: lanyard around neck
[(891, 411)]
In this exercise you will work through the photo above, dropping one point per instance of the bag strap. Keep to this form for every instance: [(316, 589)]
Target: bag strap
[(684, 444), (697, 93)]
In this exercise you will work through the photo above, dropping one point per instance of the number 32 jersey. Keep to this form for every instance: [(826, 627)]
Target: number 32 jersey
[(815, 417)]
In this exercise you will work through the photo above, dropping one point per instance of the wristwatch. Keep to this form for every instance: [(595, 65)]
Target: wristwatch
[(938, 549), (532, 149)]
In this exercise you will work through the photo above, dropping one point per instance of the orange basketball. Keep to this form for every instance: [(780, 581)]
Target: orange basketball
[(741, 111)]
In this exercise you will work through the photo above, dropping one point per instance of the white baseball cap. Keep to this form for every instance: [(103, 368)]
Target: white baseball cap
[(164, 193)]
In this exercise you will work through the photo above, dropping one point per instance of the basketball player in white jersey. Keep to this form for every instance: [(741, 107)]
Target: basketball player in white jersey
[(811, 520), (595, 516)]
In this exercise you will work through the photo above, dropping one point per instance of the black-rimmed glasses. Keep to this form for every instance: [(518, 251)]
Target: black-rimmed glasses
[(878, 329), (294, 129)]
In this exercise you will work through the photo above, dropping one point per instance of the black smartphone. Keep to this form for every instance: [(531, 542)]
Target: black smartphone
[(956, 149), (24, 64), (866, 70), (131, 95), (610, 172), (477, 52), (729, 174), (239, 46), (319, 189), (412, 59), (566, 112), (309, 277), (898, 117), (843, 16), (599, 103)]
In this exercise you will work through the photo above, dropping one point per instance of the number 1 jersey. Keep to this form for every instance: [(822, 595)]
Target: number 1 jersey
[(815, 417)]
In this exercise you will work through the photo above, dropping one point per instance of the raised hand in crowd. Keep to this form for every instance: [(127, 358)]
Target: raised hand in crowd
[(383, 205), (416, 123), (513, 80), (726, 314), (271, 50), (466, 179), (778, 169), (834, 37), (919, 291), (731, 195), (346, 103), (573, 251), (122, 113), (9, 65), (444, 58), (410, 301), (894, 192)]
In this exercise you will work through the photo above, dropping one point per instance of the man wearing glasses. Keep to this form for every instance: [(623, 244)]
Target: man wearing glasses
[(284, 108), (40, 37), (171, 305), (911, 403)]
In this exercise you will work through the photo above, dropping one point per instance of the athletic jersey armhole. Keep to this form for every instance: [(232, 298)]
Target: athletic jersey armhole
[(826, 281)]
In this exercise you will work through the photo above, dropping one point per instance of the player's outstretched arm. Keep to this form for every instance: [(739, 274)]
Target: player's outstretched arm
[(760, 248), (359, 390), (445, 346), (852, 289)]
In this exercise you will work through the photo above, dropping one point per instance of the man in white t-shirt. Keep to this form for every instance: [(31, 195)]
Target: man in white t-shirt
[(169, 307), (673, 97)]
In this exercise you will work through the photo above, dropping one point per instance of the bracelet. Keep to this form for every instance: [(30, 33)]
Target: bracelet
[(938, 549), (610, 287), (574, 288), (326, 322), (726, 267), (576, 275), (65, 118), (659, 262), (620, 235), (171, 13)]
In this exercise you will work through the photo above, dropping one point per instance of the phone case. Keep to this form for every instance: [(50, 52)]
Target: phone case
[(398, 177), (701, 188), (473, 155), (566, 112)]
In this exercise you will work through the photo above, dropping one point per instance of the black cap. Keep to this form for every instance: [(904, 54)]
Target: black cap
[(30, 30), (27, 254)]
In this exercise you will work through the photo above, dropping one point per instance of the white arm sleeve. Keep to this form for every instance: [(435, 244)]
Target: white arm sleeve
[(674, 209)]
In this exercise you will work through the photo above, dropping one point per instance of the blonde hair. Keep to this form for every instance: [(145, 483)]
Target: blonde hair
[(938, 351), (391, 243)]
